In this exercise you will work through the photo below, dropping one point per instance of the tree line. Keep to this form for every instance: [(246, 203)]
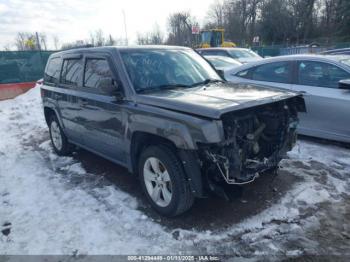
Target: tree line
[(271, 22), (282, 21)]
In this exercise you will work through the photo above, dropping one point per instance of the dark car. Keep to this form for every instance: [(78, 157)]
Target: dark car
[(166, 115)]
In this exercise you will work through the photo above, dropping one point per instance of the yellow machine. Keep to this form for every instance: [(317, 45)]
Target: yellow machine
[(214, 38)]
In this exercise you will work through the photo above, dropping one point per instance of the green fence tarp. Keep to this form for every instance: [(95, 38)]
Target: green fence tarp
[(22, 66)]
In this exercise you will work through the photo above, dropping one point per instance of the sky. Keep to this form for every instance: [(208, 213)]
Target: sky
[(72, 20)]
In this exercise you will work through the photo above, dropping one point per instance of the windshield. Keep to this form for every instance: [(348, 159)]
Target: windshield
[(345, 61), (219, 63), (161, 69), (242, 53), (223, 62)]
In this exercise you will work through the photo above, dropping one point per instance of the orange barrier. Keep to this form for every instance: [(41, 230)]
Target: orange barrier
[(8, 91)]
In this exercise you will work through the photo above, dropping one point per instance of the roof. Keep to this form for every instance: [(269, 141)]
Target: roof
[(110, 48), (319, 57), (308, 56), (222, 48)]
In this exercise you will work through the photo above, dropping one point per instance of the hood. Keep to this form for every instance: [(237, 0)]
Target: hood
[(215, 99), (248, 60)]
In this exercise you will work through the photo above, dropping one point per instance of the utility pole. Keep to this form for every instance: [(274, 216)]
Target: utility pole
[(126, 32)]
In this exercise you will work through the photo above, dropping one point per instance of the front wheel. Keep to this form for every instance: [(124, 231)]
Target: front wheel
[(164, 181)]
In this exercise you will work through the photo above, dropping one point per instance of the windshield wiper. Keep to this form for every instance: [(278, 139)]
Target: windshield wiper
[(207, 81), (161, 87)]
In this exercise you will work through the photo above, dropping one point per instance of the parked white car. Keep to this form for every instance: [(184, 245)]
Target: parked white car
[(242, 55), (318, 77), (223, 63)]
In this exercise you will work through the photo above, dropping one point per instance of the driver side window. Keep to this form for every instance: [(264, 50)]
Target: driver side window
[(311, 73), (95, 71)]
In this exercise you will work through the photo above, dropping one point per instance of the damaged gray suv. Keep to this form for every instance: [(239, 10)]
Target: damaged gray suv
[(166, 115)]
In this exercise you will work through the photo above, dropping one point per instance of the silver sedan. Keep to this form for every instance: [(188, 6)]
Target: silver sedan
[(318, 77)]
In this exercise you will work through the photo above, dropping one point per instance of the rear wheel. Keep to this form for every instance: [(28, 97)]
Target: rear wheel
[(58, 139), (164, 182)]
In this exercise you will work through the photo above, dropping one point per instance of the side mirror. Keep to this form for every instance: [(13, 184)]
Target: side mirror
[(221, 73), (344, 84)]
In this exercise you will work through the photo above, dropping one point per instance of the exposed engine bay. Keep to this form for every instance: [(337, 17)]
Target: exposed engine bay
[(256, 140)]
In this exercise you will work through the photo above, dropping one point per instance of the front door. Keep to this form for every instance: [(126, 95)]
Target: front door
[(275, 74), (102, 114), (327, 106)]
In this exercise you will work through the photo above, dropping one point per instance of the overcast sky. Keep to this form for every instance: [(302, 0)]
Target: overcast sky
[(73, 20)]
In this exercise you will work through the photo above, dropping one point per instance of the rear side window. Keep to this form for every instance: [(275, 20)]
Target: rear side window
[(279, 72), (72, 72), (95, 70), (52, 73)]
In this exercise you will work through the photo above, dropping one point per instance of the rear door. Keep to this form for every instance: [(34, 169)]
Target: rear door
[(101, 115), (70, 81), (275, 74), (327, 106)]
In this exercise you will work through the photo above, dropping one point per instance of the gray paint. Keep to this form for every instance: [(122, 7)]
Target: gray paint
[(105, 124)]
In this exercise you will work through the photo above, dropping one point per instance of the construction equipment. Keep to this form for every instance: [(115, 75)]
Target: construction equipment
[(214, 38)]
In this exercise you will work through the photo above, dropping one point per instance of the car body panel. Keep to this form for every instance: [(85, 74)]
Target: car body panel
[(188, 117), (327, 108), (214, 100), (222, 51)]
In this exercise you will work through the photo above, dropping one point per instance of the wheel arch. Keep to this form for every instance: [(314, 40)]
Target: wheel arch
[(48, 112), (141, 140)]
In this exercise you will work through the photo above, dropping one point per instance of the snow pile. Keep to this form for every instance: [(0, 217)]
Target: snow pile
[(51, 211)]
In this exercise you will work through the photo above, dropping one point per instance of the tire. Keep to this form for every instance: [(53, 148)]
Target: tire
[(171, 179), (58, 139)]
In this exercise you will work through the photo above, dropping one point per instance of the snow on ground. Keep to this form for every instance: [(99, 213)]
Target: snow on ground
[(44, 210)]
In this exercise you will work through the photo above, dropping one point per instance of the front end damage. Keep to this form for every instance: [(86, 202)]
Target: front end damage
[(256, 140)]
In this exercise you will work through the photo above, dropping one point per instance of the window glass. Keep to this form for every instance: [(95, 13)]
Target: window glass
[(345, 61), (237, 53), (214, 52), (244, 74), (220, 63), (320, 74), (273, 72), (72, 71), (52, 73), (95, 70), (152, 69)]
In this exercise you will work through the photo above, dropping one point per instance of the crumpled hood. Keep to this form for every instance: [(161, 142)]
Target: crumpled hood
[(215, 99)]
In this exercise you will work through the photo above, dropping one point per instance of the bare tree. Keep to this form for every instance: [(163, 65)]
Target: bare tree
[(20, 41), (56, 42), (154, 37), (100, 39), (216, 14), (7, 47), (43, 40), (180, 27)]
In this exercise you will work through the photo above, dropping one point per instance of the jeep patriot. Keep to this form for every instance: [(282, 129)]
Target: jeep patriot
[(166, 115)]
